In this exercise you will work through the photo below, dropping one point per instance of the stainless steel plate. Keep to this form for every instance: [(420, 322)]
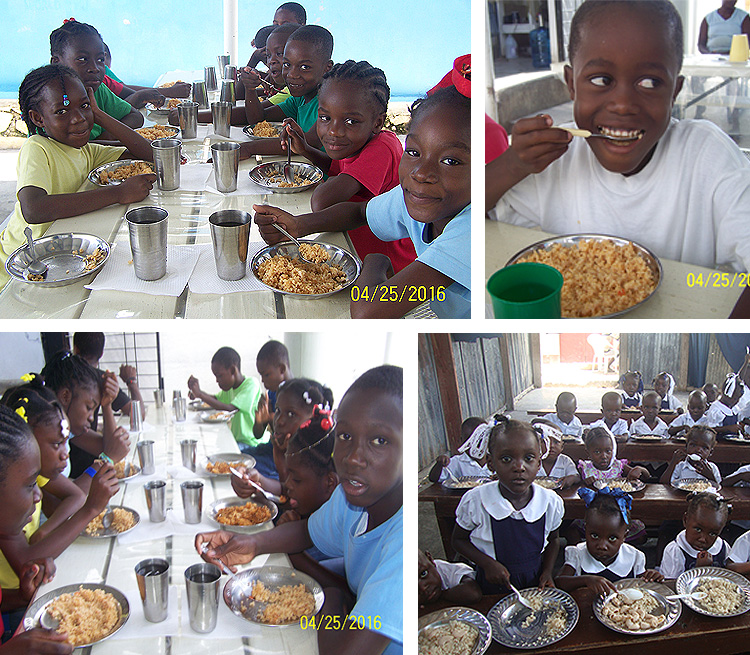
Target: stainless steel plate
[(65, 256), (465, 481), (248, 461), (111, 532), (637, 485), (264, 174), (248, 130), (112, 166), (214, 508), (237, 591), (669, 609), (680, 485), (654, 438), (173, 128), (217, 416), (465, 615), (198, 406), (689, 581), (346, 261), (548, 482), (131, 470), (508, 616)]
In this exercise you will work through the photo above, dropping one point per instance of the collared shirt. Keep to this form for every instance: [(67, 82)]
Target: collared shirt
[(673, 560), (451, 573), (575, 427), (563, 467), (684, 470), (619, 428), (641, 427), (629, 559), (462, 464)]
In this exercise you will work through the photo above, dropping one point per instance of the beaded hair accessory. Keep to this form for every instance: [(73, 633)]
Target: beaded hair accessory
[(28, 377), (66, 102), (21, 410), (623, 499)]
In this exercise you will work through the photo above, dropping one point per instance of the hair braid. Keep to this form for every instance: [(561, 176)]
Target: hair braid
[(60, 38), (15, 435), (363, 72), (66, 370), (32, 87)]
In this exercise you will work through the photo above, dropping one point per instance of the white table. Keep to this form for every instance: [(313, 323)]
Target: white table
[(673, 299), (110, 562), (716, 66)]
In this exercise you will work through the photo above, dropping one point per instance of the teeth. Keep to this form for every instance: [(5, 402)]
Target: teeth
[(354, 483), (620, 134)]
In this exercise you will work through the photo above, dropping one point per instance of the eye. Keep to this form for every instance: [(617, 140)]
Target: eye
[(411, 152), (285, 64), (505, 459), (324, 119), (649, 83), (380, 441), (351, 121), (451, 161), (613, 538), (304, 67), (594, 535), (86, 105), (530, 458), (344, 436), (600, 80), (423, 574)]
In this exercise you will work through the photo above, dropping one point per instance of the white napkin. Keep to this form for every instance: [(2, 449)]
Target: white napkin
[(118, 273), (138, 628), (194, 176), (148, 531), (245, 186), (205, 280), (179, 472)]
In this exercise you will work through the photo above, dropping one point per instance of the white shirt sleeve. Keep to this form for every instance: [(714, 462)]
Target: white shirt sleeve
[(672, 561), (640, 563), (740, 552), (572, 558)]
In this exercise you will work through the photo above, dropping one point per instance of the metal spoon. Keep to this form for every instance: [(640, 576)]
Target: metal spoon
[(587, 134), (288, 170), (222, 566), (267, 494), (48, 622), (35, 267), (299, 245), (107, 519)]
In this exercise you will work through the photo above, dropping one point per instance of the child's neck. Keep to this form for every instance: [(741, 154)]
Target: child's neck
[(605, 562), (652, 423), (386, 507), (610, 422), (309, 96), (238, 381), (520, 500)]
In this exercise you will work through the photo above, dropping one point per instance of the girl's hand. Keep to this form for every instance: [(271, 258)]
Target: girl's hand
[(232, 549), (651, 575), (140, 98), (265, 216), (678, 456), (545, 580), (589, 482), (37, 641), (177, 90), (119, 445), (599, 585), (262, 413), (536, 144), (110, 389), (104, 485), (636, 472), (249, 77), (289, 515), (496, 573), (135, 188), (293, 134), (704, 559), (92, 102), (33, 573), (241, 486), (443, 460), (704, 469)]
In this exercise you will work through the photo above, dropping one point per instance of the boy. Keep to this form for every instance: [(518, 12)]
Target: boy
[(290, 12), (611, 410), (454, 582), (682, 188), (696, 415), (463, 463), (650, 423), (564, 416), (272, 363), (712, 392)]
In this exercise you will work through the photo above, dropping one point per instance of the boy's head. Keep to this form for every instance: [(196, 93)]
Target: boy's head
[(700, 440), (89, 345), (275, 44), (711, 390), (553, 437), (566, 406), (225, 365), (611, 407), (624, 75), (469, 425), (290, 12), (272, 363), (650, 404), (430, 585), (261, 36), (697, 404), (307, 57)]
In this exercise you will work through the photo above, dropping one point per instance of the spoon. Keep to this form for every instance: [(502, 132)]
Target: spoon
[(696, 595), (107, 519), (520, 598), (288, 170), (222, 566), (586, 134), (299, 245), (35, 267), (267, 494), (48, 622)]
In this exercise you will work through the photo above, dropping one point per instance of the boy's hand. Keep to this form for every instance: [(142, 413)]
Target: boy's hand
[(545, 580), (127, 373), (599, 585), (289, 515), (104, 485), (140, 98), (135, 188), (232, 549), (37, 641), (194, 385), (33, 573), (262, 413), (265, 216), (536, 144), (249, 77), (496, 573), (178, 90), (292, 133), (443, 460), (651, 575)]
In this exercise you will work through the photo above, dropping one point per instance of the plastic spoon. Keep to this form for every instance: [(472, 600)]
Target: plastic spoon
[(35, 267), (586, 134), (107, 519), (696, 595), (267, 494), (520, 598)]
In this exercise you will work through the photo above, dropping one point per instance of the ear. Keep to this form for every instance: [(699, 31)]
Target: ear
[(65, 395), (678, 87), (490, 464), (54, 59), (329, 65), (380, 121), (684, 519), (36, 118), (331, 481), (568, 72)]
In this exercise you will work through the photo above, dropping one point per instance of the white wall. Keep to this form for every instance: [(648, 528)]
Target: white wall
[(21, 353)]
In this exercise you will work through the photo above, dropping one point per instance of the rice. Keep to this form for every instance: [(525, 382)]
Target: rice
[(723, 596), (694, 486), (553, 624), (547, 483), (122, 520), (222, 468), (247, 514), (295, 276), (157, 132), (123, 172), (87, 615), (633, 615), (450, 638), (285, 605), (625, 485), (265, 130)]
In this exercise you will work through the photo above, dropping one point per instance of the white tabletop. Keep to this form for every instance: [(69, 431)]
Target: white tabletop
[(714, 66)]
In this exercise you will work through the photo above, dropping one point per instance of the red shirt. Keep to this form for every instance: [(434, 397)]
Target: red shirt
[(375, 167), (113, 85), (495, 140)]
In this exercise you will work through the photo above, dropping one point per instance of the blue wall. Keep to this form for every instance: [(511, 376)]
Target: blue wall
[(415, 43)]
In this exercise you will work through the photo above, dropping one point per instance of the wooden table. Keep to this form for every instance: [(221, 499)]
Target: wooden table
[(587, 417), (725, 452)]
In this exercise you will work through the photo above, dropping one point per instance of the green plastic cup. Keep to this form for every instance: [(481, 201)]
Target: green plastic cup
[(526, 290)]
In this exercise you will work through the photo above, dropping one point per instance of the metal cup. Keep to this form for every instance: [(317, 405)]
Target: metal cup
[(226, 156), (192, 500), (156, 500), (200, 94), (188, 115), (223, 61), (188, 448), (230, 73), (146, 457), (221, 112), (230, 233), (202, 582), (176, 394), (227, 92), (180, 409), (136, 419), (147, 227), (159, 398), (209, 76), (152, 576), (167, 163)]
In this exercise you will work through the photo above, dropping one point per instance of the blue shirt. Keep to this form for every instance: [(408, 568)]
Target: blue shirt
[(373, 561), (450, 253)]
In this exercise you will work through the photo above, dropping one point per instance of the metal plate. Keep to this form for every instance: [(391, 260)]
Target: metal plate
[(111, 532), (465, 615), (112, 166), (680, 484), (248, 130), (507, 617), (653, 438), (217, 416), (248, 461), (65, 256), (237, 591), (736, 439), (176, 130), (214, 507), (572, 239), (198, 406), (263, 174), (549, 482), (465, 481), (131, 470), (689, 580), (637, 485), (670, 609), (346, 261), (39, 607)]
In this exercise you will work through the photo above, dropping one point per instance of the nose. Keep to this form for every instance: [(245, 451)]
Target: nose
[(424, 171), (336, 128), (622, 100), (37, 494), (354, 455), (518, 465)]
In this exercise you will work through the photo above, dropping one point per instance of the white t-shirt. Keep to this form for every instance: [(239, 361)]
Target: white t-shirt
[(684, 470), (690, 203), (618, 429), (740, 552), (673, 559), (451, 573), (462, 464), (574, 428), (686, 419), (563, 467), (640, 427), (628, 559)]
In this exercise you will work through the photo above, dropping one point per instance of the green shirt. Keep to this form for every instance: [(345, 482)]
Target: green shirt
[(110, 104), (305, 113), (109, 73), (245, 398), (281, 96)]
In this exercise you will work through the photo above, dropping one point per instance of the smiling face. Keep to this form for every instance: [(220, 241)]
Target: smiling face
[(306, 486), (347, 118), (702, 527), (430, 585), (599, 451), (516, 457), (303, 68), (275, 56), (623, 81), (85, 55), (566, 409), (605, 533), (69, 123), (700, 442), (697, 405), (291, 412), (19, 490), (79, 405), (51, 433)]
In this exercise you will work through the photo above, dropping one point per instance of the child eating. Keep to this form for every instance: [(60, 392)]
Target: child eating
[(272, 364), (693, 461), (555, 464), (564, 416), (611, 410), (650, 423), (722, 416), (601, 447), (697, 405), (469, 461), (449, 581)]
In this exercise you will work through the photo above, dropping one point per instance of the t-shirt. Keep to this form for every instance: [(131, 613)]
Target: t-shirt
[(619, 428), (630, 562), (686, 419), (305, 113), (641, 427), (562, 468), (740, 552), (451, 573), (375, 167), (280, 97), (56, 168), (449, 253), (574, 428), (720, 30), (111, 75), (110, 104), (685, 470), (690, 203), (461, 465), (245, 398), (113, 85), (373, 561)]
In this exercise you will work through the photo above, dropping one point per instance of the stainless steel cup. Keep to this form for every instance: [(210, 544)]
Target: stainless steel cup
[(147, 227), (156, 500), (221, 112), (192, 500), (188, 449), (230, 233), (200, 94), (230, 73), (152, 576), (159, 398), (136, 419), (226, 157), (209, 76), (146, 457), (180, 409), (188, 115), (167, 163), (227, 92), (223, 61), (202, 582)]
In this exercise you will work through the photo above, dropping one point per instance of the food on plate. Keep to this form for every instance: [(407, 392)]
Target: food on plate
[(285, 605), (449, 638), (553, 624), (167, 85), (633, 615), (220, 416), (86, 615), (120, 469), (695, 486), (222, 468), (625, 485), (295, 276), (123, 172), (121, 521), (722, 596), (314, 252), (157, 132), (265, 129), (279, 180), (547, 483), (248, 514), (93, 260), (467, 484)]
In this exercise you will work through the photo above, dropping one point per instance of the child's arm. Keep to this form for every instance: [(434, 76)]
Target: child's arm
[(740, 567), (494, 571), (212, 401), (292, 133), (244, 489), (129, 376), (567, 580), (703, 467), (742, 307), (121, 131), (676, 429), (677, 457), (440, 463), (736, 477), (634, 472), (571, 480), (254, 111), (68, 499), (549, 555), (263, 416), (339, 218), (465, 592), (143, 95)]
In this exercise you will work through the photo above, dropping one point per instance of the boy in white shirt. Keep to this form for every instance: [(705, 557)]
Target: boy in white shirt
[(564, 416), (650, 423), (696, 415), (611, 410)]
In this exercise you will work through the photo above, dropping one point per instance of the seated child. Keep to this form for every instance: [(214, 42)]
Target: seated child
[(650, 423), (473, 431), (510, 529), (693, 461), (699, 544), (601, 448), (696, 415), (604, 557), (453, 582), (564, 416), (272, 363), (664, 386), (611, 410), (290, 12), (712, 391), (555, 464), (722, 416), (274, 81), (632, 388)]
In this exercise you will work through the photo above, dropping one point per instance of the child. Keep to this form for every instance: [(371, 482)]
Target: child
[(712, 392), (80, 47), (363, 520), (693, 461), (722, 415), (555, 464), (650, 423), (453, 582), (275, 45), (290, 12), (611, 410), (696, 415), (564, 416), (465, 463), (19, 468), (664, 386), (56, 158), (601, 447), (604, 557), (432, 207), (509, 529), (632, 386), (699, 544), (739, 555), (272, 364)]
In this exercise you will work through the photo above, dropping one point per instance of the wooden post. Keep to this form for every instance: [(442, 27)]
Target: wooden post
[(536, 359), (442, 352), (682, 374), (510, 401)]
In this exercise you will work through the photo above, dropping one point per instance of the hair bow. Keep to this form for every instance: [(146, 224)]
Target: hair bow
[(21, 411), (547, 433), (477, 443), (27, 377), (623, 499), (68, 20)]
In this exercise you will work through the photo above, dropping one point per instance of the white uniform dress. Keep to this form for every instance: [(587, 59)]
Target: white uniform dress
[(629, 563), (679, 556), (618, 429), (451, 573)]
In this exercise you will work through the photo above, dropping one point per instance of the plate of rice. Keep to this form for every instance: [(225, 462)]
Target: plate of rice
[(117, 171), (273, 595), (219, 463), (241, 515), (126, 471), (156, 132), (648, 615), (604, 276), (696, 485), (454, 631), (262, 130), (271, 176), (88, 612), (631, 486), (548, 482), (216, 416), (728, 592), (654, 438), (465, 481), (125, 519)]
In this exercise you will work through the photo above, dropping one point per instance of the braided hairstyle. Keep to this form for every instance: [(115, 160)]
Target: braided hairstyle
[(312, 445), (450, 97), (68, 371), (70, 30), (711, 501), (506, 425), (373, 79), (15, 437), (37, 402), (33, 85), (310, 392)]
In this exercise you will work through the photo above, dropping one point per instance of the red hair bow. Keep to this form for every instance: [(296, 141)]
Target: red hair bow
[(69, 20)]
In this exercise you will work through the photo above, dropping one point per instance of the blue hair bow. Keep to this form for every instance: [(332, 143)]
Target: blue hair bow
[(623, 499)]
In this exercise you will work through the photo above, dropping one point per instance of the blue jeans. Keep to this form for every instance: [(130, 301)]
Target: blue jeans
[(263, 454)]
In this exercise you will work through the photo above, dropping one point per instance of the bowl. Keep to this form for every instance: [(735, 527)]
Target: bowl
[(465, 615), (222, 503), (248, 461), (248, 131), (113, 166), (688, 582), (266, 175), (669, 609)]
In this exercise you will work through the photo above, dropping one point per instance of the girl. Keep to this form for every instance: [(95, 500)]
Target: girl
[(472, 454), (603, 464), (555, 464), (510, 529), (57, 157), (362, 521), (632, 388), (19, 468), (432, 207), (693, 461), (699, 544), (360, 157), (664, 386), (604, 557)]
